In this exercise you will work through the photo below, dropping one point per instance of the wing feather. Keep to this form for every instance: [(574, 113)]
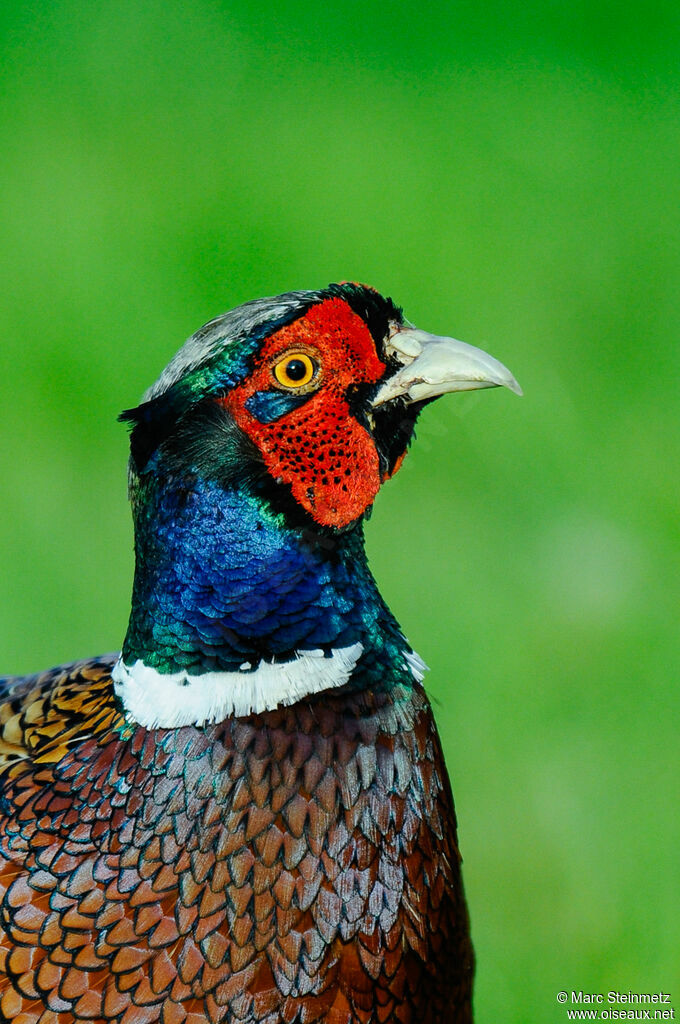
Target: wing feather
[(44, 715)]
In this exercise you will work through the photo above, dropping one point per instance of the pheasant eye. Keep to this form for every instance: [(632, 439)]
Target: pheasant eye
[(295, 370)]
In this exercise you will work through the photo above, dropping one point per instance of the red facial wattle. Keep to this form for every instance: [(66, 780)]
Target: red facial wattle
[(319, 449)]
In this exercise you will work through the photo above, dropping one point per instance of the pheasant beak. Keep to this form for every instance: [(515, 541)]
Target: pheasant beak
[(432, 366)]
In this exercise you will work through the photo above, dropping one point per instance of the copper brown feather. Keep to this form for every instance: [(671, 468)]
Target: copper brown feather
[(296, 866)]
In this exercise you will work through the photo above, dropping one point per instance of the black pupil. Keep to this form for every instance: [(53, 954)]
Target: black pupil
[(296, 369)]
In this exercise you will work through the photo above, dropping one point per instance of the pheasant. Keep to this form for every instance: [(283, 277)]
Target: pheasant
[(245, 815)]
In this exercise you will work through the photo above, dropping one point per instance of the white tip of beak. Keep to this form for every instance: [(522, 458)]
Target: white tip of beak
[(433, 366)]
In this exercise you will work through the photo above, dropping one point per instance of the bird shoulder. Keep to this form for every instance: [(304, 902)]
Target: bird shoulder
[(44, 715)]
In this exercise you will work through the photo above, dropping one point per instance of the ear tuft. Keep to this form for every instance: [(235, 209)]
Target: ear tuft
[(152, 422)]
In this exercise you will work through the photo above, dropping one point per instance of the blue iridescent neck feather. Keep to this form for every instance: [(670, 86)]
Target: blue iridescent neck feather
[(222, 581)]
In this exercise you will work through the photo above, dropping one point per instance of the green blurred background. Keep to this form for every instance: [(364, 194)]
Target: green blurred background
[(510, 175)]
